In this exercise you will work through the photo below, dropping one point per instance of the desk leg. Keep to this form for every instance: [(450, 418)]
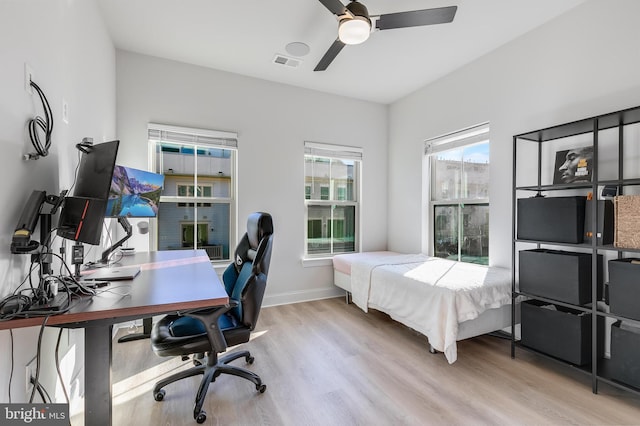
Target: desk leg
[(147, 325), (97, 375)]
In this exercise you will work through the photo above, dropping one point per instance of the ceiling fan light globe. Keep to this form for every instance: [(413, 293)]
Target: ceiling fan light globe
[(354, 31)]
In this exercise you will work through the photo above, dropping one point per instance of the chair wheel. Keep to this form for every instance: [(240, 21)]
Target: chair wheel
[(249, 359), (159, 396), (201, 417), (261, 388)]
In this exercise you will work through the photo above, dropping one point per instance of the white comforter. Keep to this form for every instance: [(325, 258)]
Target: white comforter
[(430, 295)]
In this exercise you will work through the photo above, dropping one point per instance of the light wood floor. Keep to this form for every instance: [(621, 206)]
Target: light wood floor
[(328, 363)]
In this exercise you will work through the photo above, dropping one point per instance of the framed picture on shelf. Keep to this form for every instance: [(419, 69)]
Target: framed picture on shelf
[(573, 165)]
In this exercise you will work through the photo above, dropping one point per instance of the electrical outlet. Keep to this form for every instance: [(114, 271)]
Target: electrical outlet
[(30, 372), (28, 78)]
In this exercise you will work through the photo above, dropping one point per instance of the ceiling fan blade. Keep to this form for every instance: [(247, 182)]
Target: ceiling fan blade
[(416, 18), (331, 54), (335, 6)]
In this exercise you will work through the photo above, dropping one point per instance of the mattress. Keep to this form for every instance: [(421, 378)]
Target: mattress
[(431, 295), (342, 262)]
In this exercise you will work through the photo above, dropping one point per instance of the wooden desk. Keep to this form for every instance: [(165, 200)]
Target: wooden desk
[(169, 281)]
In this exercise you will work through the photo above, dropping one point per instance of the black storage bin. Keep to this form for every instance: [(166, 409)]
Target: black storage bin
[(624, 287), (555, 219), (563, 333), (625, 355), (560, 275)]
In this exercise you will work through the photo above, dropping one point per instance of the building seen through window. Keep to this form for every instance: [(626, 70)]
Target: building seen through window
[(459, 201), (331, 201), (197, 204)]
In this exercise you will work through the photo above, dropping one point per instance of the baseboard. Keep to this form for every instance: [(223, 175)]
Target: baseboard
[(301, 296)]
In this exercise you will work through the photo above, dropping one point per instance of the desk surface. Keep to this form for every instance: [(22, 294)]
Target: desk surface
[(169, 281)]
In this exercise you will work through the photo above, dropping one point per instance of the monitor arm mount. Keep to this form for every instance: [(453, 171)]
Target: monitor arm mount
[(21, 242), (128, 229)]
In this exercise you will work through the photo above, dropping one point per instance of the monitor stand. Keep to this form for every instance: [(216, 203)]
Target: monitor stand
[(57, 303)]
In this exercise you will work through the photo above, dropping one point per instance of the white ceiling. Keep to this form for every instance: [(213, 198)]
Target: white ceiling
[(243, 37)]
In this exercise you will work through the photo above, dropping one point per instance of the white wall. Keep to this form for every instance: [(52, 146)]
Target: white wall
[(66, 44), (582, 64), (272, 121)]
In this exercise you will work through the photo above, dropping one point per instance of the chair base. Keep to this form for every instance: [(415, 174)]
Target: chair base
[(210, 371)]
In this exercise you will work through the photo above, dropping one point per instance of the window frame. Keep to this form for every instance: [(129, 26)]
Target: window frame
[(332, 152), (190, 186), (198, 138), (473, 135)]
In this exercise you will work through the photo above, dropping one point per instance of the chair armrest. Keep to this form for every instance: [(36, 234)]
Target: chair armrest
[(209, 317)]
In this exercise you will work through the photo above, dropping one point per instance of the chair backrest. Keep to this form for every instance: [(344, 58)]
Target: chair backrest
[(245, 279)]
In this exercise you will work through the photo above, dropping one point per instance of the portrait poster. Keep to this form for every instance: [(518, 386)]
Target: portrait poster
[(573, 165)]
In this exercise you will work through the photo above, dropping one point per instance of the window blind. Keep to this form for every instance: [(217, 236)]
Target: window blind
[(468, 136), (186, 135), (332, 151)]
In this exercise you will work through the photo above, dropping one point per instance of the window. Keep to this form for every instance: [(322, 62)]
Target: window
[(198, 202), (324, 192), (458, 188), (187, 190), (331, 181)]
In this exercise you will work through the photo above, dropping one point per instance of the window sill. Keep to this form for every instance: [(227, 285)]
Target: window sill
[(312, 262), (220, 266)]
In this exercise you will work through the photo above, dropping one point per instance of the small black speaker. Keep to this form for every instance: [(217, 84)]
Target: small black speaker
[(609, 191)]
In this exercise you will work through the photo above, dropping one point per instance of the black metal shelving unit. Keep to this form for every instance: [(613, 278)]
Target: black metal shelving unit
[(599, 367)]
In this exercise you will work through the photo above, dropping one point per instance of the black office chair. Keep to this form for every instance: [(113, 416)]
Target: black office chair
[(210, 331)]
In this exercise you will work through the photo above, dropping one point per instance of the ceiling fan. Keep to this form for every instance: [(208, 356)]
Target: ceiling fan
[(355, 24)]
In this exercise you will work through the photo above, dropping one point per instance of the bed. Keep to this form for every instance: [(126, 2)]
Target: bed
[(444, 300)]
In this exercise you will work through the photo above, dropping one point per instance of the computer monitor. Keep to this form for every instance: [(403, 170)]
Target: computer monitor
[(83, 214), (133, 193), (96, 170)]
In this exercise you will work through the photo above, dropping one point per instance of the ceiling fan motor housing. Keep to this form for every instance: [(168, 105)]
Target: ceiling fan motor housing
[(358, 10)]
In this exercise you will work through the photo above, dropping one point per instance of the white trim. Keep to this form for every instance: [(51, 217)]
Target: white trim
[(302, 296), (427, 216), (330, 150), (208, 138), (212, 200), (470, 135), (311, 262), (193, 131), (464, 201)]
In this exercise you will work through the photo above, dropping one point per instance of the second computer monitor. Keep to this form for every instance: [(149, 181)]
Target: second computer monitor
[(134, 193)]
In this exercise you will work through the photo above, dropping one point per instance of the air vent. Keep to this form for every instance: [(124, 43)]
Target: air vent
[(286, 61)]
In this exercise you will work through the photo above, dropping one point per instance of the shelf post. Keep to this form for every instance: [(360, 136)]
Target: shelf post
[(513, 251), (594, 261)]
